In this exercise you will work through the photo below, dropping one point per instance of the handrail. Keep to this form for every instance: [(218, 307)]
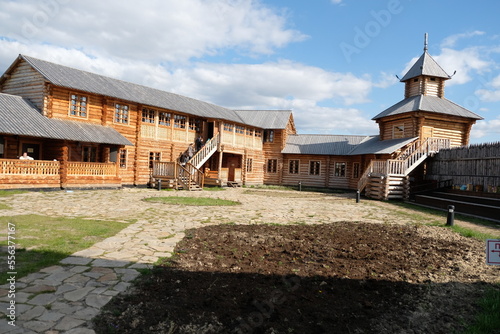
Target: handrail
[(189, 174), (405, 162), (207, 150)]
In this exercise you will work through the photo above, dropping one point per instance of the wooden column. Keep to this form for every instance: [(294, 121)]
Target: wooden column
[(63, 169), (137, 144)]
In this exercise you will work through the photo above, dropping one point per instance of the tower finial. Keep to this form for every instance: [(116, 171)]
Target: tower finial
[(425, 42)]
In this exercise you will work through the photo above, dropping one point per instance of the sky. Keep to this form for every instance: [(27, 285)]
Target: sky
[(332, 62)]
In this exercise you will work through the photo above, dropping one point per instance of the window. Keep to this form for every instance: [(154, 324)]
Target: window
[(164, 118), (249, 164), (293, 166), (228, 127), (123, 158), (355, 170), (249, 132), (194, 124), (153, 156), (89, 154), (240, 129), (179, 121), (258, 133), (398, 131), (121, 113), (314, 167), (78, 106), (272, 166), (340, 169), (268, 136), (148, 116)]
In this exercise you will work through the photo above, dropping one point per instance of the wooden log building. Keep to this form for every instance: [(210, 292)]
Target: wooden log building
[(85, 130)]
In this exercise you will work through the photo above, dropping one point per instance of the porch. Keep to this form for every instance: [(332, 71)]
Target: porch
[(29, 174)]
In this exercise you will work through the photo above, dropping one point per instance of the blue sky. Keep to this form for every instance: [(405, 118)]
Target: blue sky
[(332, 62)]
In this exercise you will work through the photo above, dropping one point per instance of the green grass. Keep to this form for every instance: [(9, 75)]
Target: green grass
[(194, 201), (488, 321), (4, 206), (6, 193), (44, 241)]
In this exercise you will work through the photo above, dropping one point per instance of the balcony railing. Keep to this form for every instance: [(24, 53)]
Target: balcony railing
[(92, 168), (28, 167)]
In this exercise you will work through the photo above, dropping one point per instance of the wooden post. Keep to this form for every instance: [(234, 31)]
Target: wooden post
[(137, 144), (63, 169)]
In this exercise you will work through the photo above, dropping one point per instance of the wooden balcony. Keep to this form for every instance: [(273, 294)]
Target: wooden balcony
[(18, 174)]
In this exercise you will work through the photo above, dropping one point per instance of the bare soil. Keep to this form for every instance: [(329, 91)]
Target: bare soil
[(340, 277)]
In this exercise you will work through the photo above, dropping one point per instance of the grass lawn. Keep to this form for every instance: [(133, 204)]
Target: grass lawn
[(194, 201), (43, 241)]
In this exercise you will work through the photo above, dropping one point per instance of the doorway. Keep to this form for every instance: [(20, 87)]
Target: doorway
[(33, 150)]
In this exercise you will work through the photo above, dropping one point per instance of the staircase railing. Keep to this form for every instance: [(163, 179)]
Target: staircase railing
[(189, 175), (205, 152), (405, 162)]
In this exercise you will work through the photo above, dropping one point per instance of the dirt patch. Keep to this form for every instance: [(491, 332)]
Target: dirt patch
[(341, 277)]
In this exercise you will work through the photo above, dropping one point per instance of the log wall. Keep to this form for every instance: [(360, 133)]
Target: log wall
[(474, 167), (26, 82)]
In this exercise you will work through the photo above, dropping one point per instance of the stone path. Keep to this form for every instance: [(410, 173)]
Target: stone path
[(63, 299)]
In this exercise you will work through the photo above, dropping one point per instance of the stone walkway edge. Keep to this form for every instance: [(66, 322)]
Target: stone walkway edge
[(63, 299)]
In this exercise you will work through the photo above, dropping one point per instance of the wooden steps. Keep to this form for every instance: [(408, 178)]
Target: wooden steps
[(233, 184)]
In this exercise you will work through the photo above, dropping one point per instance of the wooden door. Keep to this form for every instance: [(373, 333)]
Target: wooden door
[(427, 132), (233, 163)]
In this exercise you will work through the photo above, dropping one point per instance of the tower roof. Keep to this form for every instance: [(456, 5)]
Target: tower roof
[(425, 65)]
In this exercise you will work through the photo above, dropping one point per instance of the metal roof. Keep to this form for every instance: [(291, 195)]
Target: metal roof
[(321, 144), (20, 117), (373, 145), (431, 104), (98, 84), (342, 145), (426, 65), (266, 119)]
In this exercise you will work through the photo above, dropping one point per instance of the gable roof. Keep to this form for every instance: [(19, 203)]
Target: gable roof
[(427, 103), (266, 119), (425, 65), (20, 117), (373, 145), (72, 78)]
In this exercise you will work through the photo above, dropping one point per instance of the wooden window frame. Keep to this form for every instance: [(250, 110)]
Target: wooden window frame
[(78, 105), (356, 168), (249, 165), (272, 166), (268, 136), (180, 121), (228, 127), (164, 118), (238, 129), (89, 153), (154, 156), (148, 116), (340, 169), (258, 133), (314, 167), (122, 158), (195, 124), (398, 131), (122, 112), (294, 166)]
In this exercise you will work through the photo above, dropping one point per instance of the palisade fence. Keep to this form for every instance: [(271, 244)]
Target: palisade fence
[(472, 168)]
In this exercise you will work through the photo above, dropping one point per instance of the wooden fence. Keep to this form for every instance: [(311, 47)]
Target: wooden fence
[(473, 168)]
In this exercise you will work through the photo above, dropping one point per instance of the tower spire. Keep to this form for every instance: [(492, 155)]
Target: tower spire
[(425, 42)]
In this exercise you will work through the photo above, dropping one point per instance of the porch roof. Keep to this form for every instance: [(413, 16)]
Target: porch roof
[(266, 119), (342, 145), (20, 117)]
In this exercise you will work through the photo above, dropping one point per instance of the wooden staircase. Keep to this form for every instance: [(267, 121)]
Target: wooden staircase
[(175, 175), (389, 179), (205, 152)]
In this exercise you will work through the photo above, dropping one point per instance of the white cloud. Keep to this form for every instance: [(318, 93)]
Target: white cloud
[(487, 130), (451, 41), (159, 30)]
